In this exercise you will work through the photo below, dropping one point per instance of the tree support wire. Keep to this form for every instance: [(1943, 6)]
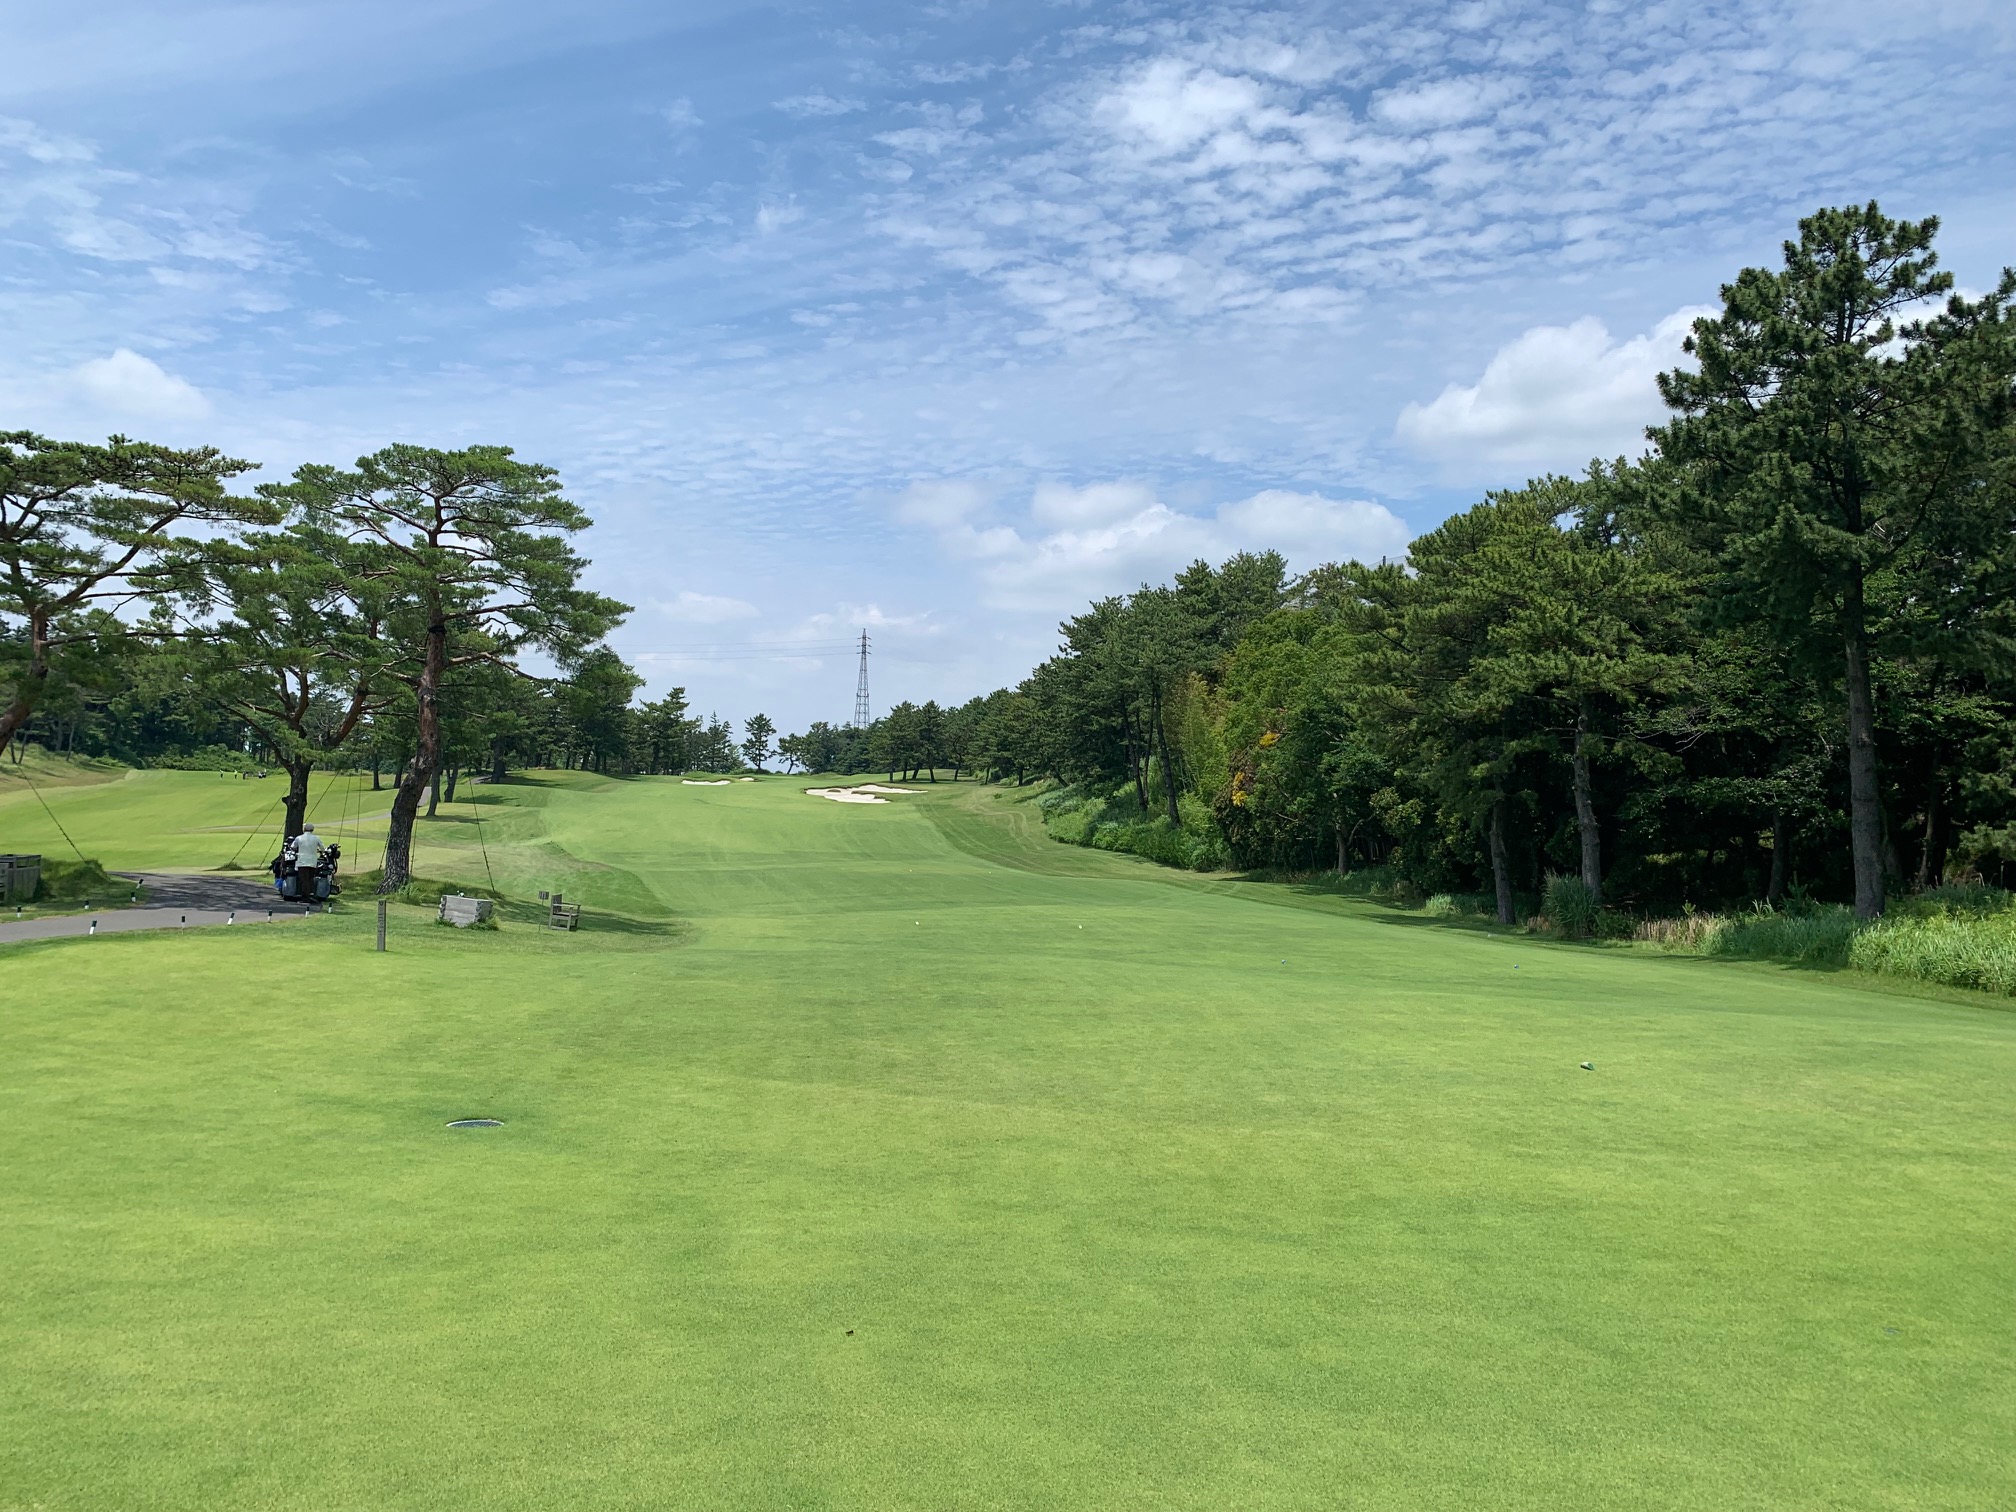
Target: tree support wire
[(52, 814)]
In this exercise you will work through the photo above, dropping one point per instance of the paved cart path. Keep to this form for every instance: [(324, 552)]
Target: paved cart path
[(174, 901)]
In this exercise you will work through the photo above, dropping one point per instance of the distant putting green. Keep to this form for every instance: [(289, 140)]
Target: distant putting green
[(891, 1157)]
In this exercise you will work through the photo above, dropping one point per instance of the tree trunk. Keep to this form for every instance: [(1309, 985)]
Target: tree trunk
[(1585, 808), (1893, 865), (454, 776), (497, 772), (1781, 859), (426, 760), (1865, 805), (296, 807), (1932, 853), (1340, 850), (434, 794), (1501, 864), (1134, 763), (1168, 766), (376, 785), (28, 691)]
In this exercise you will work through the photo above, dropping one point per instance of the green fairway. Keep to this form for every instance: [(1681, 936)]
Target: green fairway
[(892, 1157)]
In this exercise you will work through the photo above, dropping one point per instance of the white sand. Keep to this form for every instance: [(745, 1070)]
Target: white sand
[(844, 795), (877, 787), (745, 779), (690, 782)]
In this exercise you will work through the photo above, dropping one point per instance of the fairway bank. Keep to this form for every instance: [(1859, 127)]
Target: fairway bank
[(892, 1156)]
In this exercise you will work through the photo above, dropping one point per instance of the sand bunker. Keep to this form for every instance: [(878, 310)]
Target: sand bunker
[(866, 792), (695, 782), (745, 779)]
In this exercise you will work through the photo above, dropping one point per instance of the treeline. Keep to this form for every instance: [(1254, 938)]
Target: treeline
[(371, 616), (1776, 656)]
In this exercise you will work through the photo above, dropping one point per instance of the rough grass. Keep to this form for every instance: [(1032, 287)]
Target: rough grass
[(68, 884), (1954, 937), (1957, 936), (933, 1165)]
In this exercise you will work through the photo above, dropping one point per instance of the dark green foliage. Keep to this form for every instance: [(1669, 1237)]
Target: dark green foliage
[(1841, 465), (470, 550), (85, 530)]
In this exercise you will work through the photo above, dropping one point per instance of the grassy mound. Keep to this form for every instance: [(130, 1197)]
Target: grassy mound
[(424, 892)]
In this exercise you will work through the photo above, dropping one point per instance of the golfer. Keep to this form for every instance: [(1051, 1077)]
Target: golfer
[(308, 848)]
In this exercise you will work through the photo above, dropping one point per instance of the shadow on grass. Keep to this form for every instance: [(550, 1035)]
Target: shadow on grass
[(517, 911)]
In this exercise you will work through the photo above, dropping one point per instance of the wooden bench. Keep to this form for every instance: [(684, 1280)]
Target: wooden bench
[(562, 915)]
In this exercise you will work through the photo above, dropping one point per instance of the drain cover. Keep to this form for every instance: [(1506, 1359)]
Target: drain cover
[(476, 1123)]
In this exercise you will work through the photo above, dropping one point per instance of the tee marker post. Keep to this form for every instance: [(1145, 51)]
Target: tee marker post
[(381, 923)]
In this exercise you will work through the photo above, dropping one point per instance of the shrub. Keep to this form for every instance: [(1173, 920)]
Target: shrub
[(426, 892), (1962, 899), (211, 758), (1571, 906), (67, 883), (1370, 882), (1114, 821), (1461, 906)]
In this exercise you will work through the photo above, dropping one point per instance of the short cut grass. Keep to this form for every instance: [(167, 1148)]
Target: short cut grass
[(894, 1157)]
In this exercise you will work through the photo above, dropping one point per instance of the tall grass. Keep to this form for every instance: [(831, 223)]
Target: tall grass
[(1957, 936)]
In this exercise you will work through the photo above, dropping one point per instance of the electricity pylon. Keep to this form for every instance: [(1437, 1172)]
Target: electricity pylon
[(861, 718)]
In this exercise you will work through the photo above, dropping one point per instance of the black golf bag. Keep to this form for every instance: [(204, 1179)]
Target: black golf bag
[(296, 883)]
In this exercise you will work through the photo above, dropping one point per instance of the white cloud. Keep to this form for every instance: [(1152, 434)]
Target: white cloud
[(1309, 529), (773, 216), (128, 384), (706, 609), (1446, 102), (1099, 504), (1556, 395), (28, 139), (942, 503), (818, 103), (1081, 544), (1170, 106)]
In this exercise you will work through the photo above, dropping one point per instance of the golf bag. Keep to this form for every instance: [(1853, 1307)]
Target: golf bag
[(305, 884)]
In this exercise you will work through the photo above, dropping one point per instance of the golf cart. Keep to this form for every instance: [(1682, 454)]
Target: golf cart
[(306, 884)]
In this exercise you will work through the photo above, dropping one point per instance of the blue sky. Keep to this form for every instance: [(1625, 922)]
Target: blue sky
[(940, 320)]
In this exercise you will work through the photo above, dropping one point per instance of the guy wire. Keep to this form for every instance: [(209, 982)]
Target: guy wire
[(51, 813)]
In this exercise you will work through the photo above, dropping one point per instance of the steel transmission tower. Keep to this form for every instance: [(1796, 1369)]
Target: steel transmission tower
[(861, 716)]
